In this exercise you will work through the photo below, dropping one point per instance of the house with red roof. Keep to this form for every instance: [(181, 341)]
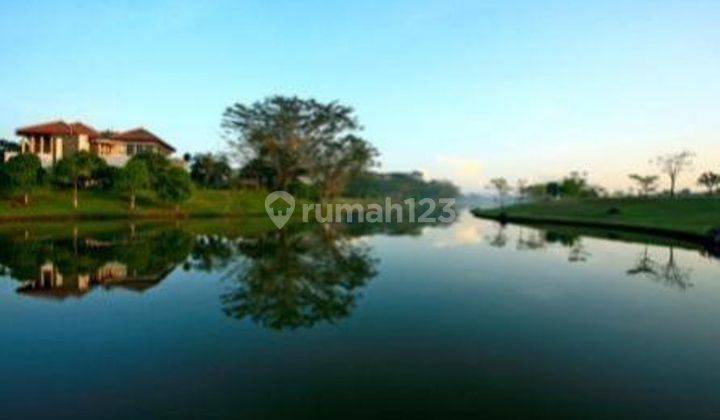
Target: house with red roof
[(57, 139)]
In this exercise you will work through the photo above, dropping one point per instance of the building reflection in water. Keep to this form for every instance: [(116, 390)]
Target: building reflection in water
[(62, 267), (51, 283), (286, 279)]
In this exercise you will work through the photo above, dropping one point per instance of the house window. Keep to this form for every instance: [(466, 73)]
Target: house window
[(46, 145), (131, 150)]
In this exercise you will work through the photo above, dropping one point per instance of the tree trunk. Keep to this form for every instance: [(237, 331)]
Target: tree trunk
[(177, 209), (672, 186), (26, 199), (132, 200), (75, 194)]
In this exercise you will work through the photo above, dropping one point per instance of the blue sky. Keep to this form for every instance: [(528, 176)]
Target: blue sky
[(461, 90)]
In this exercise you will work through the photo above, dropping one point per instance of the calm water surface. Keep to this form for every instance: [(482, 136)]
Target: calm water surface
[(338, 322)]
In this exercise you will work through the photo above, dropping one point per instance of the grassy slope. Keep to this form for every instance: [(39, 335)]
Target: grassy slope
[(694, 215), (47, 203)]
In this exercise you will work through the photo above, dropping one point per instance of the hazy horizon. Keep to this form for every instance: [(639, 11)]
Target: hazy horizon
[(460, 90)]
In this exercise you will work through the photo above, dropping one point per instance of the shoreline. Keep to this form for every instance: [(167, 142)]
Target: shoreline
[(706, 241), (115, 217)]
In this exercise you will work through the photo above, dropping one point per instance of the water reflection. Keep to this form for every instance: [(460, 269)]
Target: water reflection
[(62, 267), (297, 279), (536, 239), (666, 271), (278, 279), (669, 273)]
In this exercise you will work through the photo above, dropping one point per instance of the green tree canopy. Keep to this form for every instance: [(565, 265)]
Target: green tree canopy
[(209, 170), (174, 186), (286, 132), (156, 163), (77, 168), (647, 184), (259, 171), (709, 180), (132, 177), (22, 172), (337, 160)]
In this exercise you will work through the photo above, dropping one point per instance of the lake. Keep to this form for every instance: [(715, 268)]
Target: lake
[(218, 318)]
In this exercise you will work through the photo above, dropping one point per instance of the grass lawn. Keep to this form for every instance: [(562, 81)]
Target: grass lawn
[(51, 203), (691, 215)]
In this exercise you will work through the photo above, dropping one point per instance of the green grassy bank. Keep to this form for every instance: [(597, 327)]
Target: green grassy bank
[(51, 204), (688, 217)]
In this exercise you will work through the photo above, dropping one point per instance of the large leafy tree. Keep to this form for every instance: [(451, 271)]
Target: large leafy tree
[(132, 177), (22, 172), (337, 160), (174, 186), (286, 133), (77, 168)]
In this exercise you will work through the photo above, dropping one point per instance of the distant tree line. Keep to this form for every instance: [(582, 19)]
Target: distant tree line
[(398, 185), (672, 166), (576, 185)]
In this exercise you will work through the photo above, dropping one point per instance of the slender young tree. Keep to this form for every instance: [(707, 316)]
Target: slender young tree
[(75, 168), (521, 186), (132, 177), (22, 172), (502, 188), (673, 164)]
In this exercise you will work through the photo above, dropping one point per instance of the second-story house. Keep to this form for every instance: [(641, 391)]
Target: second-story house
[(57, 139)]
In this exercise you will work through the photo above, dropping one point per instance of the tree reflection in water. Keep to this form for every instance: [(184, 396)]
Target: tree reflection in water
[(281, 279), (499, 239), (292, 280), (669, 274), (535, 239)]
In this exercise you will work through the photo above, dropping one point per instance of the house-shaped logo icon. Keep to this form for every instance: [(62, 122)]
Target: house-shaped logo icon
[(279, 206)]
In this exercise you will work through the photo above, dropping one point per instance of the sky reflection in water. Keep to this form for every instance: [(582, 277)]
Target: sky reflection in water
[(211, 319)]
